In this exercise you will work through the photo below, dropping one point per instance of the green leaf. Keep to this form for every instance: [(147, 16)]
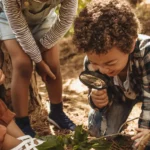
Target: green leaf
[(52, 143), (79, 141), (80, 135)]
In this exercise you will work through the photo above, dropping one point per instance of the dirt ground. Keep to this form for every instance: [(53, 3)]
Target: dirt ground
[(74, 94)]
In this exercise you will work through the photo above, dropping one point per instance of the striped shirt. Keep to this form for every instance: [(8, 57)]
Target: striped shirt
[(20, 27), (139, 78)]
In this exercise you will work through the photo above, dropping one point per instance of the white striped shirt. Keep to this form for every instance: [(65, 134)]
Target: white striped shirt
[(23, 34)]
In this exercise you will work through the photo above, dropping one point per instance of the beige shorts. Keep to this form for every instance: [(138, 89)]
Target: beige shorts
[(38, 31)]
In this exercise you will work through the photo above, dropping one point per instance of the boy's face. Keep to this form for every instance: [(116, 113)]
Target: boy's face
[(111, 63)]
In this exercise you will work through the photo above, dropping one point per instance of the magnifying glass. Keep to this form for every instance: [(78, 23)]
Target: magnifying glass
[(94, 80), (99, 81)]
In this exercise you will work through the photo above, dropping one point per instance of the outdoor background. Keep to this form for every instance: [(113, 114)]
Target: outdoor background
[(74, 92)]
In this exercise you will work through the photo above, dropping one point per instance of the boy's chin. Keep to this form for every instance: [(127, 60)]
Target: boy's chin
[(112, 74)]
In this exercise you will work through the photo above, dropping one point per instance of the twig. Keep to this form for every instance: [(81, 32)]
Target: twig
[(126, 123), (106, 136)]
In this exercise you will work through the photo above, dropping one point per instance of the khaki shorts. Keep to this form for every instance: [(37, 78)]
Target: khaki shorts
[(38, 31)]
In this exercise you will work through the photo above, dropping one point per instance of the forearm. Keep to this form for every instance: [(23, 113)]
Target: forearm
[(67, 14), (21, 30)]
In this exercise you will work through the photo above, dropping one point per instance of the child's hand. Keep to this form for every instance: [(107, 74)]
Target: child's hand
[(99, 97), (140, 135), (44, 71), (2, 77)]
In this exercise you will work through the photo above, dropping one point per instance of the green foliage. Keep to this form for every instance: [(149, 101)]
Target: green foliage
[(52, 143), (81, 5), (80, 135), (79, 141)]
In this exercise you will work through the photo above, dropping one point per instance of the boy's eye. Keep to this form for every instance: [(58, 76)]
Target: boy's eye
[(111, 64), (93, 63)]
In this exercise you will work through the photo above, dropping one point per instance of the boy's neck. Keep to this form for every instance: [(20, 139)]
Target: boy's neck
[(123, 74)]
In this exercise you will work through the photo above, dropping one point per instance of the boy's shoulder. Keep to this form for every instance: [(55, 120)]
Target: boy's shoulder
[(142, 46)]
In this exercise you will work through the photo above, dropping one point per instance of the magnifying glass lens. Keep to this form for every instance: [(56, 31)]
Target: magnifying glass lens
[(92, 80)]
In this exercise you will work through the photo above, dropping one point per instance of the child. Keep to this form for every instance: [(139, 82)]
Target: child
[(11, 137), (30, 30), (107, 31)]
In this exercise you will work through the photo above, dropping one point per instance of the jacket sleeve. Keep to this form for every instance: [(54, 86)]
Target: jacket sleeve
[(66, 17), (144, 121), (21, 30)]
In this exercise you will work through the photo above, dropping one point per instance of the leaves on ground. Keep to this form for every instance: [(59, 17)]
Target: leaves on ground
[(79, 141)]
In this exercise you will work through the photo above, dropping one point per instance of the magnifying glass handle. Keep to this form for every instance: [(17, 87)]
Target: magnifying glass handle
[(91, 101)]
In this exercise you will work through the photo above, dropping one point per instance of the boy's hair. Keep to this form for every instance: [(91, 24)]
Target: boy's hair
[(103, 24), (41, 1)]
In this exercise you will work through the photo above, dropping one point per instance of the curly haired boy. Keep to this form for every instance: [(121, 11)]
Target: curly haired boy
[(107, 31)]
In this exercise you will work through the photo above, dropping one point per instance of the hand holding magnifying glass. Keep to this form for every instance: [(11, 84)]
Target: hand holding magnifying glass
[(99, 84)]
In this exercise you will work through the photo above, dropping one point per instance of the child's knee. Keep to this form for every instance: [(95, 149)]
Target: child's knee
[(23, 68), (94, 123), (55, 69)]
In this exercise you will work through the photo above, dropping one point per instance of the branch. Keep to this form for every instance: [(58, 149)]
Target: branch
[(126, 123)]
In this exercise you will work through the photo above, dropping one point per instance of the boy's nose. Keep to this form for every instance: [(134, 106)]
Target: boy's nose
[(103, 70)]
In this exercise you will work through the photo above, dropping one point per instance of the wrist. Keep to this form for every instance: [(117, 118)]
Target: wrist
[(40, 63)]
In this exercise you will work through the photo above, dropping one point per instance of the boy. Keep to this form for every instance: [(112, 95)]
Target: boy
[(107, 31)]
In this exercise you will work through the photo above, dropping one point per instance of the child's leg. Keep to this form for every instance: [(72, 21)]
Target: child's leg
[(54, 88), (14, 130), (2, 135), (7, 141), (10, 142), (97, 122), (22, 70), (118, 114)]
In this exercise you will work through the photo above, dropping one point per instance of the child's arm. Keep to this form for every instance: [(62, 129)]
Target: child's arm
[(24, 37), (21, 30), (2, 77), (67, 14)]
